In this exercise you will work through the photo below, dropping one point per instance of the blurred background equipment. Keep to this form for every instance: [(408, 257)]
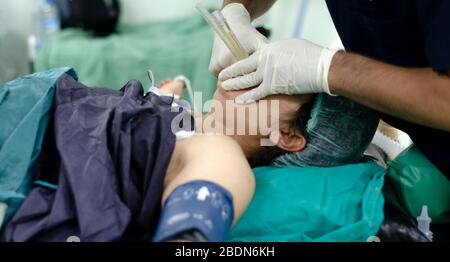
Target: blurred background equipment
[(13, 55), (97, 16), (19, 23), (46, 23)]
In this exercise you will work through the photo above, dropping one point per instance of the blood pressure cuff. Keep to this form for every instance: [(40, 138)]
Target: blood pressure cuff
[(198, 206), (338, 133)]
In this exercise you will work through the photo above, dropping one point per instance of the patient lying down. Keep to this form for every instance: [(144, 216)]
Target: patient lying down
[(280, 130), (206, 185)]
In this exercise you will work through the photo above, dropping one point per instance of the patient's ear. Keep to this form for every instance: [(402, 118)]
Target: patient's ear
[(288, 140)]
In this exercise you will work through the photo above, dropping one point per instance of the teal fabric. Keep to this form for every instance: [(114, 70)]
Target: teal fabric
[(168, 48), (46, 184), (314, 205), (415, 182), (25, 105)]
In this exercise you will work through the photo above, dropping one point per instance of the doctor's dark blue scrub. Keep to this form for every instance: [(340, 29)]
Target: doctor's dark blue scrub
[(407, 33)]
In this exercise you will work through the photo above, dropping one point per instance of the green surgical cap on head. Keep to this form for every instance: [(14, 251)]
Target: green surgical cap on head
[(338, 133)]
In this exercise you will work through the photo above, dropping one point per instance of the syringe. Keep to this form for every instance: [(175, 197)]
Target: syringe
[(220, 25)]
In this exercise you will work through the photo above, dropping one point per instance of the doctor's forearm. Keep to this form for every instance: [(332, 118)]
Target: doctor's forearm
[(417, 95), (256, 8)]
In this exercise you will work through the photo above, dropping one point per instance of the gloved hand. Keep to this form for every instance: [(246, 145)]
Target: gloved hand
[(289, 67), (240, 23)]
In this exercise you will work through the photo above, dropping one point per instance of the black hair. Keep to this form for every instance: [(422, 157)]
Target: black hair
[(266, 155)]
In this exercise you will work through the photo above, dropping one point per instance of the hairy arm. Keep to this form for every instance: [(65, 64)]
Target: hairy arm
[(256, 8), (418, 95)]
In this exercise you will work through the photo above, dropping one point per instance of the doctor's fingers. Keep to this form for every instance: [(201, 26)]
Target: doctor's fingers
[(220, 62), (252, 96), (243, 82), (240, 68)]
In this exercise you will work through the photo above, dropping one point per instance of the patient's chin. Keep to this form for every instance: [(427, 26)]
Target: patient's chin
[(222, 94)]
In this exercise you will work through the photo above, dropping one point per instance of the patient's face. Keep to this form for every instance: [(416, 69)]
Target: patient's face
[(254, 125)]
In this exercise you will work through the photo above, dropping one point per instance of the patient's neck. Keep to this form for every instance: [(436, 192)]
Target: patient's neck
[(208, 124)]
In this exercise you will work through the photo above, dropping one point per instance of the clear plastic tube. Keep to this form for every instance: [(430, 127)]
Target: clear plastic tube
[(220, 25)]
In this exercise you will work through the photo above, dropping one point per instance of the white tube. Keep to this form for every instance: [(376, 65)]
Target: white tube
[(219, 24)]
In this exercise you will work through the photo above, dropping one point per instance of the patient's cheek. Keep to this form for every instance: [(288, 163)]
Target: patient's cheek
[(256, 119), (222, 94), (269, 116)]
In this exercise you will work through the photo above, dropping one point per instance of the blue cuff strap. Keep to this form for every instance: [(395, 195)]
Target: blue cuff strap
[(199, 206)]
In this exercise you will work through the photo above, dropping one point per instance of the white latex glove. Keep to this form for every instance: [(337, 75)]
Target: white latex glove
[(240, 23), (289, 67)]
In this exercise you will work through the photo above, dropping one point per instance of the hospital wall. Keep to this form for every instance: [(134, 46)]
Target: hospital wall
[(289, 18)]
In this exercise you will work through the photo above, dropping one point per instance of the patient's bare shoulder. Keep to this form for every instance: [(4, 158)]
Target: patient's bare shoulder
[(218, 159), (209, 144), (216, 153), (217, 148)]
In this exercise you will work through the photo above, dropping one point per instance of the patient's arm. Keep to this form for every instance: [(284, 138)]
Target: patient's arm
[(220, 162), (170, 87), (217, 159)]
